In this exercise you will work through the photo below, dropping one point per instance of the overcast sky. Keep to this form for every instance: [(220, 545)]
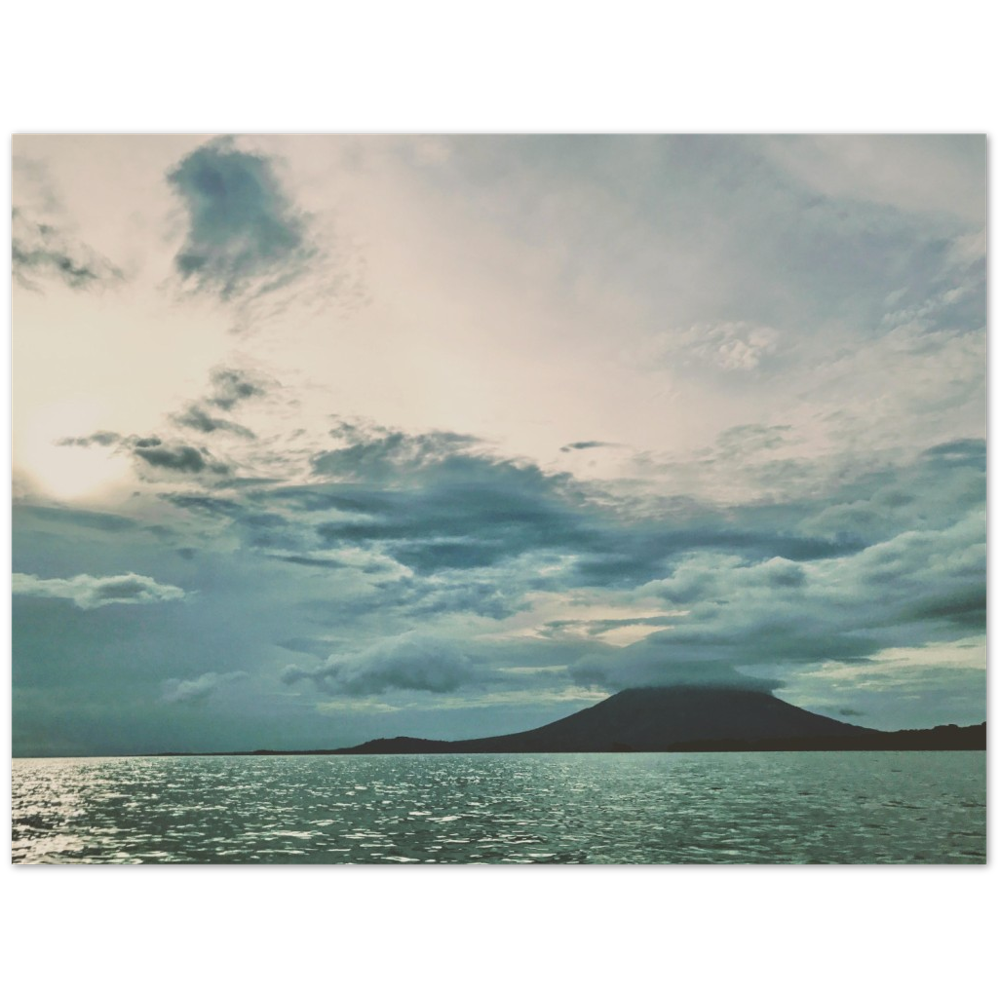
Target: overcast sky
[(319, 439)]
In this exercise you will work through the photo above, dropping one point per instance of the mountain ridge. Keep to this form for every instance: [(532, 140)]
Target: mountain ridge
[(676, 719), (644, 720), (681, 719)]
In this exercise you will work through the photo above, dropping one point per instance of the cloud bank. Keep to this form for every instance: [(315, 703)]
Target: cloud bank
[(410, 662), (89, 592)]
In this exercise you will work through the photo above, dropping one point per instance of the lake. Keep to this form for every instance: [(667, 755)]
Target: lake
[(898, 807)]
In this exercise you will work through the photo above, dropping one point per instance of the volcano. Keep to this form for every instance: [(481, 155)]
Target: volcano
[(656, 719)]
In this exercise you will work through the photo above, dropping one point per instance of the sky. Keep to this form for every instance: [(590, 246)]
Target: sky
[(318, 439)]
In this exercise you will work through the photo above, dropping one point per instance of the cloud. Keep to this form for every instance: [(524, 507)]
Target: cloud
[(410, 532), (71, 517), (231, 386), (915, 173), (735, 346), (219, 506), (198, 419), (153, 451), (965, 451), (89, 592), (586, 445), (430, 505), (776, 616), (179, 458), (457, 512), (39, 250), (102, 438), (316, 562), (434, 504), (410, 662), (244, 234), (602, 626), (176, 691), (375, 452), (639, 665), (746, 439)]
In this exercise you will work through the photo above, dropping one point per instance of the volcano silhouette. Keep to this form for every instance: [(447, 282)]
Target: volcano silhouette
[(654, 719)]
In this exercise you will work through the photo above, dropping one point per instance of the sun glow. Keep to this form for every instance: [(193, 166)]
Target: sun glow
[(58, 470)]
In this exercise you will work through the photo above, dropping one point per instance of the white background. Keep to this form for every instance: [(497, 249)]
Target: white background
[(522, 66), (525, 933)]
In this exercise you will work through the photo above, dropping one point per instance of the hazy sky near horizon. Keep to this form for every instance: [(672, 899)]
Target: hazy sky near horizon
[(325, 438)]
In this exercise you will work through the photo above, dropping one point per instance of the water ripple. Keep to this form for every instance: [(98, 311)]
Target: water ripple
[(801, 808)]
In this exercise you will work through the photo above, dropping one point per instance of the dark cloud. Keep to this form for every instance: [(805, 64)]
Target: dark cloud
[(231, 386), (411, 662), (462, 512), (586, 445), (179, 458), (103, 438), (198, 419), (444, 536), (435, 508), (264, 519), (632, 667), (350, 498), (434, 505), (483, 592), (933, 579), (965, 451), (915, 588), (244, 234), (265, 530), (708, 649), (317, 562), (153, 451), (416, 531), (270, 531), (475, 534), (637, 553), (963, 606), (379, 453), (205, 503), (41, 251)]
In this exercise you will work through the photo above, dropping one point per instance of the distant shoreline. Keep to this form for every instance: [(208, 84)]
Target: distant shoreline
[(940, 738)]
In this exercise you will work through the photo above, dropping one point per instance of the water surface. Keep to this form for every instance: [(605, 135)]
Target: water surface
[(876, 807)]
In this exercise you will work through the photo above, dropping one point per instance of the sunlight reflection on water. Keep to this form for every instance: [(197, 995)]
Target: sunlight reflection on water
[(885, 807)]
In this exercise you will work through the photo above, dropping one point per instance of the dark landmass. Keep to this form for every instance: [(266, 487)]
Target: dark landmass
[(647, 719), (939, 738), (679, 719)]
